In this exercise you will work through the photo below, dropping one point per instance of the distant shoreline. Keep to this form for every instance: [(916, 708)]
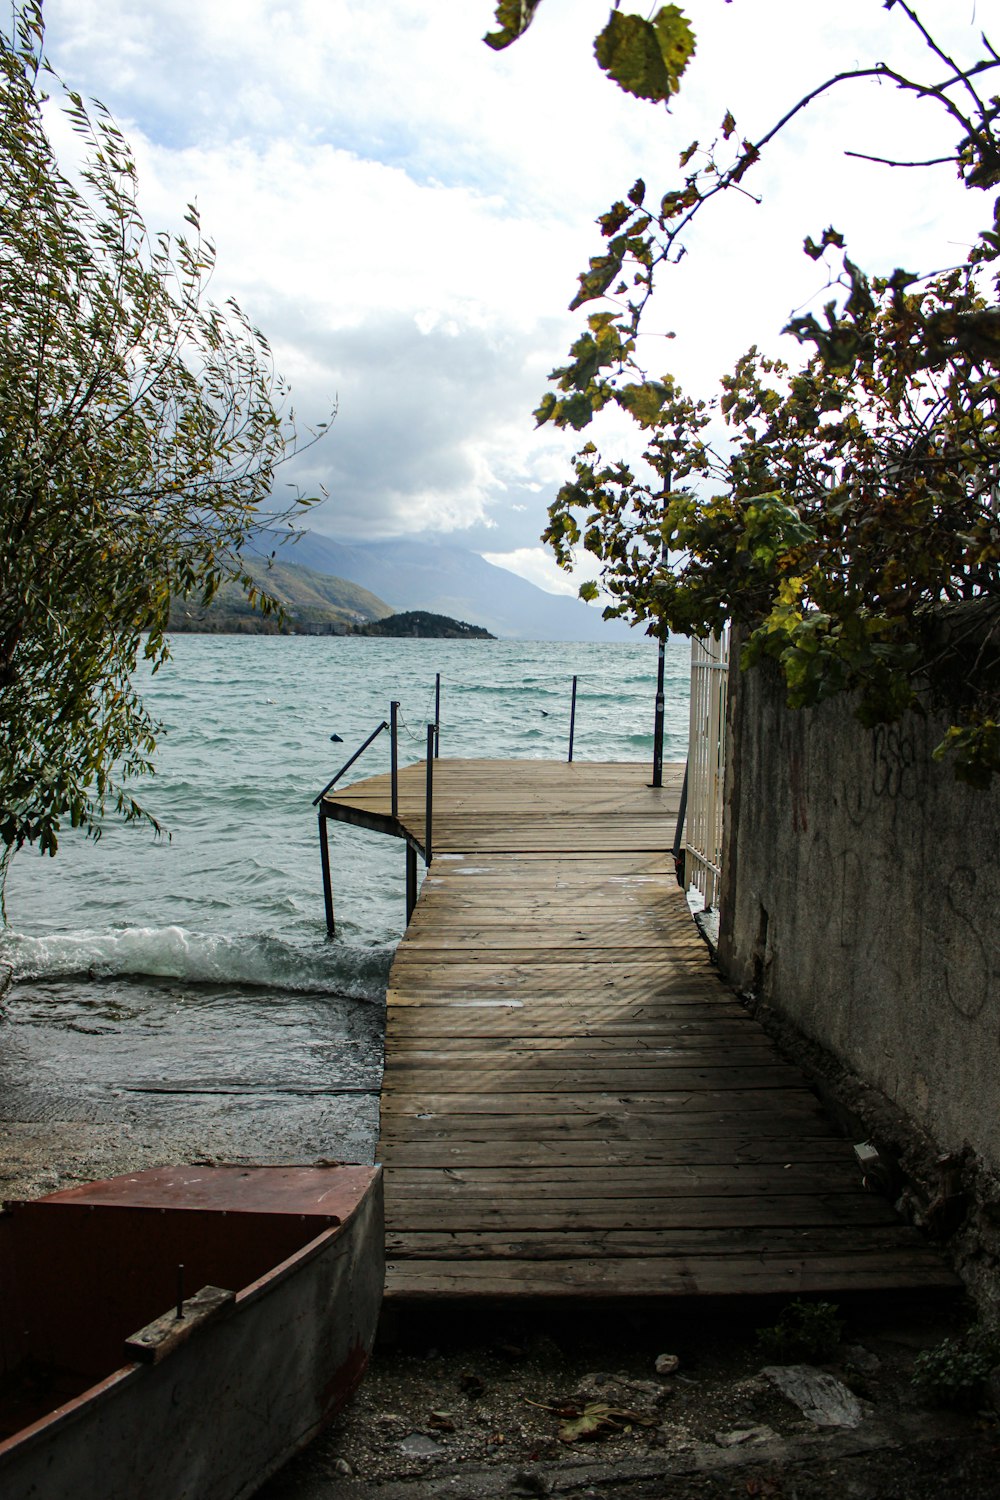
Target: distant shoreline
[(408, 625)]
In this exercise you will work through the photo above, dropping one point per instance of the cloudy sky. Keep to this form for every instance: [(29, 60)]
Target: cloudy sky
[(404, 212)]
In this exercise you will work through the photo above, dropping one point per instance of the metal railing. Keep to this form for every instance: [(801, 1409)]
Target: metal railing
[(349, 763), (433, 751), (706, 765)]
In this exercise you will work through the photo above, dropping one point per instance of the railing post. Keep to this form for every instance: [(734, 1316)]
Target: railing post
[(572, 722), (324, 855), (680, 862), (429, 805), (659, 714), (394, 758), (411, 880), (437, 715), (660, 711)]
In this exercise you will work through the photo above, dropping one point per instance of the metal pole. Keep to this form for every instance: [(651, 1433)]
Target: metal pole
[(660, 708), (429, 807), (572, 722), (411, 881), (324, 855), (659, 715), (678, 849), (437, 715), (394, 757)]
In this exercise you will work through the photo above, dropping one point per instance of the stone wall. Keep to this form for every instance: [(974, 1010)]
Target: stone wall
[(861, 901)]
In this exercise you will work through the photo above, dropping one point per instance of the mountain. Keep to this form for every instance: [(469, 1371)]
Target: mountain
[(313, 601), (448, 580)]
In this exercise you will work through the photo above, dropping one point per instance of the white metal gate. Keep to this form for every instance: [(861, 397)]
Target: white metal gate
[(706, 765)]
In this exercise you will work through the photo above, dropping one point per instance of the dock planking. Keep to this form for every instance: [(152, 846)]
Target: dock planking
[(574, 1104)]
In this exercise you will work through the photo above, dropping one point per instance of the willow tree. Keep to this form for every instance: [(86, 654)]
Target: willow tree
[(851, 523), (140, 428)]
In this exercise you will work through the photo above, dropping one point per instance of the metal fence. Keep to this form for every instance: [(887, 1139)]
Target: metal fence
[(706, 765)]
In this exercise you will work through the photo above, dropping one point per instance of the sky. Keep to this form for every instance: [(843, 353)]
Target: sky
[(404, 212)]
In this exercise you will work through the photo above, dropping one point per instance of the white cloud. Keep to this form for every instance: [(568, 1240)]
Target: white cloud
[(537, 566), (404, 212)]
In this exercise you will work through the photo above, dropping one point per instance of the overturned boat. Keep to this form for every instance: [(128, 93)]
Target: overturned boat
[(181, 1332)]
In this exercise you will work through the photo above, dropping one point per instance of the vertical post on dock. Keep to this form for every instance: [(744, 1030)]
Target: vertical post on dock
[(659, 714), (678, 849), (660, 709), (572, 721), (394, 757), (324, 855), (429, 806), (411, 880), (437, 715)]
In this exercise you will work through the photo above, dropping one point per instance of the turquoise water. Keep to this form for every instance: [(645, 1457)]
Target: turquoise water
[(204, 956)]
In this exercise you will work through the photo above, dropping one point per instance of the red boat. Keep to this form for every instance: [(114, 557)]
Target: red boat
[(181, 1332)]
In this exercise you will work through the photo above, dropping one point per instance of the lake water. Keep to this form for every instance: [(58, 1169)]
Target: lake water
[(186, 984)]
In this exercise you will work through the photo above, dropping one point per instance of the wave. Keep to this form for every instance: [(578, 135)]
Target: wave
[(251, 959)]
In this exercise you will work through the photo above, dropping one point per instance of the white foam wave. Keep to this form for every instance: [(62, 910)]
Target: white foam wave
[(199, 958)]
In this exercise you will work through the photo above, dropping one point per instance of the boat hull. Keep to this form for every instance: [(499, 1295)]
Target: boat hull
[(208, 1412)]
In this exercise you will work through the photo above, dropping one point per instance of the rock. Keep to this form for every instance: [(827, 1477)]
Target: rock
[(528, 1482), (819, 1396), (857, 1357), (419, 1446), (341, 1466), (741, 1435), (645, 1388), (667, 1364)]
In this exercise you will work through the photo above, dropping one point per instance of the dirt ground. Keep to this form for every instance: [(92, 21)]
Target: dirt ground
[(467, 1405)]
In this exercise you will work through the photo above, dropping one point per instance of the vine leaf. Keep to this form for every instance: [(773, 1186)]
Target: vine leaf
[(646, 58), (513, 17)]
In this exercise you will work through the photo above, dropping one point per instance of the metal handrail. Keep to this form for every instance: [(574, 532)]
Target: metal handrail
[(348, 764)]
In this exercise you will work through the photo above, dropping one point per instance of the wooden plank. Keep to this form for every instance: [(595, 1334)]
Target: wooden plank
[(575, 1080), (699, 1211), (743, 1045), (637, 1243), (416, 981), (625, 1126), (724, 1276), (587, 1182), (601, 1152), (777, 1104), (574, 1104)]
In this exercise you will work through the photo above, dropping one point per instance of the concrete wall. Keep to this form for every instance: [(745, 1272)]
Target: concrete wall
[(861, 900)]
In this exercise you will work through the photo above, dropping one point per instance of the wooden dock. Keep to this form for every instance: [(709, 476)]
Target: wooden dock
[(574, 1104)]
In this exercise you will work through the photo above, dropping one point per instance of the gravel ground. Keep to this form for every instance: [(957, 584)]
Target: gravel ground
[(467, 1406)]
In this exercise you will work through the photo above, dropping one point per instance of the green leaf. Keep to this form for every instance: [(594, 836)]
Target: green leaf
[(588, 591), (643, 402), (595, 282), (646, 58), (513, 18)]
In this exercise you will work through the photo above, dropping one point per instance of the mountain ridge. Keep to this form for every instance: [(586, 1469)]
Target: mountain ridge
[(441, 578)]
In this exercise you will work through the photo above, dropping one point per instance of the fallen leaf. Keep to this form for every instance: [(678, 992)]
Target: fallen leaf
[(600, 1420)]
